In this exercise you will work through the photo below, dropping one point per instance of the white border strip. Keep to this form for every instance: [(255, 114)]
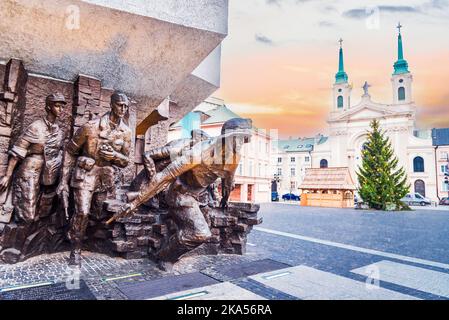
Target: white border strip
[(26, 286), (355, 248)]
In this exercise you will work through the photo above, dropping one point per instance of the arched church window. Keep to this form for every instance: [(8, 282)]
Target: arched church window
[(420, 187), (401, 93), (418, 164), (340, 102), (323, 164)]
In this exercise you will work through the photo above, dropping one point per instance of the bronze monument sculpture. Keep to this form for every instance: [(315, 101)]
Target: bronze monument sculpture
[(39, 151), (91, 154), (115, 197), (188, 177)]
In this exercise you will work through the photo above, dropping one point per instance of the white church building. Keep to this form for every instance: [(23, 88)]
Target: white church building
[(348, 125)]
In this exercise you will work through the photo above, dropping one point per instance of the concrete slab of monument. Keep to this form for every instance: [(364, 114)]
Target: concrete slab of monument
[(145, 48)]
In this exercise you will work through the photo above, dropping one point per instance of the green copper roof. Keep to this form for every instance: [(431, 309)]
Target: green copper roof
[(341, 76), (401, 65), (219, 115), (295, 145)]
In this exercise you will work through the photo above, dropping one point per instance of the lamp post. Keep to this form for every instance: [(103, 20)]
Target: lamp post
[(446, 177), (276, 179)]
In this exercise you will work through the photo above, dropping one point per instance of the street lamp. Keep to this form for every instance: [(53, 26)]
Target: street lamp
[(446, 178), (276, 179)]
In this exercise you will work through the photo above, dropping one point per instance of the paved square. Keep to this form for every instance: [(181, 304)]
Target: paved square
[(298, 253)]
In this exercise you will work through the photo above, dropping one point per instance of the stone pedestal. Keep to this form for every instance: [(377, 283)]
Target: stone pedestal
[(146, 232)]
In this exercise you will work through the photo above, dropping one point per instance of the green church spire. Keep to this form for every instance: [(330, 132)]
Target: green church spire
[(401, 65), (341, 76)]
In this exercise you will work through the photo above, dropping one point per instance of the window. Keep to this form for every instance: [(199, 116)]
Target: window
[(340, 102), (445, 186), (307, 159), (323, 164), (443, 155), (444, 168), (260, 170), (279, 160), (292, 159), (292, 172), (401, 93), (293, 185), (279, 171), (240, 169), (418, 164), (250, 169)]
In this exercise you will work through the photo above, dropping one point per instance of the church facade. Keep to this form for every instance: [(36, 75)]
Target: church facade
[(348, 125)]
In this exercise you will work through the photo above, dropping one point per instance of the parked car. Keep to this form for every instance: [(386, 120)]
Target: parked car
[(291, 196), (444, 201), (274, 196), (414, 199)]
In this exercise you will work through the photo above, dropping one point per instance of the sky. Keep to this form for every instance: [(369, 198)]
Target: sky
[(280, 58)]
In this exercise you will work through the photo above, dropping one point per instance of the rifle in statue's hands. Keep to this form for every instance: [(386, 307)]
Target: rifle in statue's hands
[(126, 210)]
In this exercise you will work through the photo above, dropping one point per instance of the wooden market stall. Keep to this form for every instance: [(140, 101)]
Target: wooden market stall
[(328, 187)]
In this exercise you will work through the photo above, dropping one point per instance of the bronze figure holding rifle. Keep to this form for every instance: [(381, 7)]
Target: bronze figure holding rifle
[(187, 178), (92, 156)]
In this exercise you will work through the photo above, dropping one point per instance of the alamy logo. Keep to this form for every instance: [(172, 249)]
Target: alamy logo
[(73, 19)]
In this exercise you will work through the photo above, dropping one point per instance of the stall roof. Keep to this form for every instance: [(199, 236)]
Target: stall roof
[(328, 179)]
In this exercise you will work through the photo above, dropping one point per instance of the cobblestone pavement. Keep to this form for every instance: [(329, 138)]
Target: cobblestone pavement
[(410, 248), (102, 273), (320, 238)]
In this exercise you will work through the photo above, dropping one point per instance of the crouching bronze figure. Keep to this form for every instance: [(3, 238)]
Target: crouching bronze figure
[(188, 176)]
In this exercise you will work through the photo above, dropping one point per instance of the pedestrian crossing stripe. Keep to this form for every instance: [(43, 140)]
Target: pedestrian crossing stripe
[(425, 280), (312, 284)]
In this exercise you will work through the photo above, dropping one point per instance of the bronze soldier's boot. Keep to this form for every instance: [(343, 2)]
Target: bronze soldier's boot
[(76, 236), (75, 257), (169, 254)]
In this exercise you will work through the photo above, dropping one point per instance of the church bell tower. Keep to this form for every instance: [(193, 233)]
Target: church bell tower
[(401, 79), (341, 89)]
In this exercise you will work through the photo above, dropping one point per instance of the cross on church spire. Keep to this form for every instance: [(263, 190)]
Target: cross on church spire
[(399, 27), (341, 42)]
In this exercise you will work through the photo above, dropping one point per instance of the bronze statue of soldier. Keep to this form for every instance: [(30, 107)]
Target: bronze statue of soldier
[(96, 149), (39, 151), (187, 178)]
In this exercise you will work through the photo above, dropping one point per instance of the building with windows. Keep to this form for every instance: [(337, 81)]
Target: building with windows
[(440, 138), (348, 124), (253, 176), (290, 160)]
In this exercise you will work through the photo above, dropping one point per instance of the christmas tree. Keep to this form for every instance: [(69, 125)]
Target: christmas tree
[(382, 183)]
